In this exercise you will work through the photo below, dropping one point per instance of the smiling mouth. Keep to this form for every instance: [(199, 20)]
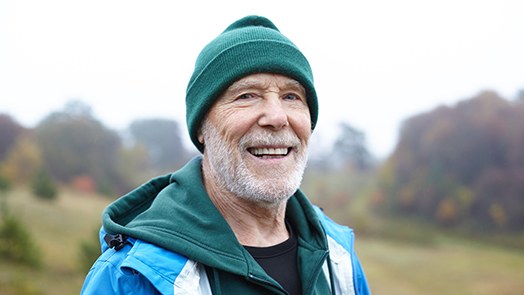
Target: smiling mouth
[(267, 152)]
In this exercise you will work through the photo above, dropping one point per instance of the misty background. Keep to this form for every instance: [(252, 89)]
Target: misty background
[(375, 62), (419, 146)]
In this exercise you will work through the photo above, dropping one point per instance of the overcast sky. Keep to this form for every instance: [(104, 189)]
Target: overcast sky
[(375, 62)]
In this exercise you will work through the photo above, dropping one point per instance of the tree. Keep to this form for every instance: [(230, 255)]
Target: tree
[(74, 143), (520, 96), (462, 164), (10, 130), (350, 148), (22, 161), (134, 164), (163, 142)]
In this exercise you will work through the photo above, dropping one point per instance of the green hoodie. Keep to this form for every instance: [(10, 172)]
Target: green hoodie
[(175, 212)]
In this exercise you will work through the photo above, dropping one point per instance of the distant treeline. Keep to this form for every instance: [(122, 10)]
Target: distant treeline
[(77, 150), (460, 165)]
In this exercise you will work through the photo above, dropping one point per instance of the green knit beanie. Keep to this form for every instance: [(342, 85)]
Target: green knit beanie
[(250, 45)]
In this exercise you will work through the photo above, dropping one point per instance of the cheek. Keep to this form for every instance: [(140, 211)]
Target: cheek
[(301, 124), (232, 125)]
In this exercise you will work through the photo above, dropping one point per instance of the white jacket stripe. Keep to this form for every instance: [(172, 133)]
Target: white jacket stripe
[(192, 280), (341, 266)]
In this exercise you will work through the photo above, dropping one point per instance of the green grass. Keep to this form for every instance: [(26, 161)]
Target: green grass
[(58, 228), (450, 266), (394, 264)]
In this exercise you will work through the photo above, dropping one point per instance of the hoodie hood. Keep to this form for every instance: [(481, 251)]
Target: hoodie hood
[(175, 212)]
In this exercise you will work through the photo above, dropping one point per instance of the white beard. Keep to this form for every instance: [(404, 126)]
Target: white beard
[(231, 172)]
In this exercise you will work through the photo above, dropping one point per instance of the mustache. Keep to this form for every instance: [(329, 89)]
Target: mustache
[(269, 138)]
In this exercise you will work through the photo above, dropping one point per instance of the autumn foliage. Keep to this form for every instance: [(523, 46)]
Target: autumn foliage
[(73, 148), (461, 165)]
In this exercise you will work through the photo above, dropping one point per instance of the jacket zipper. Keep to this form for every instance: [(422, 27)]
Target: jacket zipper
[(263, 282)]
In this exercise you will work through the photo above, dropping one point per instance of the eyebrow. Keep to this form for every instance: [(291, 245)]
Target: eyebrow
[(246, 84)]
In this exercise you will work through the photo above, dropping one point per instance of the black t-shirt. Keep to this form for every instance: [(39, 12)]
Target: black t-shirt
[(280, 262)]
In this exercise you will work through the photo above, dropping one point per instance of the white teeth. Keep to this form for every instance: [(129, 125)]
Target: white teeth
[(269, 151)]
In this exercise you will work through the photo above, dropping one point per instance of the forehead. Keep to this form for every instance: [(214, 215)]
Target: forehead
[(265, 80)]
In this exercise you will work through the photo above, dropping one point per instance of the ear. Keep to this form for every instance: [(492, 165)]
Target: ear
[(200, 137)]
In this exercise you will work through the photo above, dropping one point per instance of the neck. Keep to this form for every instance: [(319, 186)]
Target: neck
[(254, 224)]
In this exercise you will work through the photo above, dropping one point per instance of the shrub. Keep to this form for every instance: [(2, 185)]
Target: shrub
[(16, 242), (43, 186), (5, 185), (89, 252)]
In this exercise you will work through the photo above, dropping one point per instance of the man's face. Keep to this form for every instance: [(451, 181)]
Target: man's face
[(256, 137)]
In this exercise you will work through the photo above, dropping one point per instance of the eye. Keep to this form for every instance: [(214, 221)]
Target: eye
[(292, 96), (245, 96)]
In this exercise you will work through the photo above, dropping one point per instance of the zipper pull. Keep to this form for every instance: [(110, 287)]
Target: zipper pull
[(267, 284)]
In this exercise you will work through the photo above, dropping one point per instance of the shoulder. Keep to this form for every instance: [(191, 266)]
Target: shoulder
[(137, 268), (341, 234), (348, 273)]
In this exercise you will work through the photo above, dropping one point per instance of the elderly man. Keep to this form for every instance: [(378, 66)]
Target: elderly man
[(233, 221)]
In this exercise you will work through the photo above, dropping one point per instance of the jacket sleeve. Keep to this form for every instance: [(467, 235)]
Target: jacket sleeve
[(344, 238), (360, 281), (108, 277)]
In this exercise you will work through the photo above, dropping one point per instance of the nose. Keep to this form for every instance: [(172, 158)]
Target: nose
[(273, 113)]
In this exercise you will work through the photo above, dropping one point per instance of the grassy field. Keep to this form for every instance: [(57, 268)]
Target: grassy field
[(446, 265), (58, 228)]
